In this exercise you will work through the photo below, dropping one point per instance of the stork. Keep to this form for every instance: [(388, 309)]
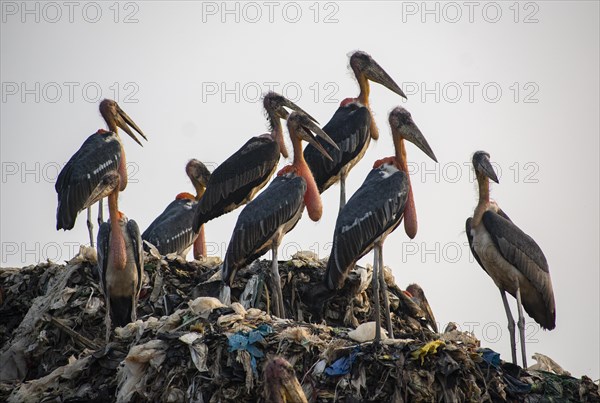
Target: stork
[(351, 127), (171, 231), (263, 222), (237, 180), (374, 211), (417, 296), (102, 152), (281, 384), (120, 258), (511, 258)]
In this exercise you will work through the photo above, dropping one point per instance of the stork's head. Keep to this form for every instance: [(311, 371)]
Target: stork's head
[(281, 384), (302, 127), (483, 166), (363, 64), (184, 196), (404, 127), (197, 172), (115, 117), (276, 105)]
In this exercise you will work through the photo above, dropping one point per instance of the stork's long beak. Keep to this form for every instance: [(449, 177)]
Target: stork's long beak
[(309, 126), (376, 73), (411, 133), (484, 165), (125, 122), (296, 108), (108, 183)]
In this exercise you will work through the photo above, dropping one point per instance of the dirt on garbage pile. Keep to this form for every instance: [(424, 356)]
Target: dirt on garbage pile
[(187, 346)]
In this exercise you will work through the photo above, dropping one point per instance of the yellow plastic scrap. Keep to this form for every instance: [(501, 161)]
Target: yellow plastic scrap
[(427, 349)]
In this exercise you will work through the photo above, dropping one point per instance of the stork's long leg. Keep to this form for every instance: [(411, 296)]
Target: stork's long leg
[(342, 188), (511, 326), (107, 319), (521, 326), (100, 212), (386, 301), (90, 226), (279, 309), (376, 298), (200, 245)]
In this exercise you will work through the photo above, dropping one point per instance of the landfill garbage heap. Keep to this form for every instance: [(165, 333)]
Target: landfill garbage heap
[(186, 346)]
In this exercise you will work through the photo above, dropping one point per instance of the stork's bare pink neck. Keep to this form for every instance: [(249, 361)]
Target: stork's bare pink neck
[(363, 83), (484, 198), (200, 245), (312, 197), (410, 211)]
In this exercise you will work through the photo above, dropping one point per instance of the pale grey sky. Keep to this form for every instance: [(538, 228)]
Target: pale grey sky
[(519, 80)]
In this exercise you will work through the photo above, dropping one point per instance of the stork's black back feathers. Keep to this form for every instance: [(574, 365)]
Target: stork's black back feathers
[(258, 222), (521, 251), (376, 207), (99, 154), (236, 178), (171, 231), (349, 128)]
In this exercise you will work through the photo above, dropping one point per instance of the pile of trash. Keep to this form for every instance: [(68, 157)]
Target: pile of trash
[(188, 346)]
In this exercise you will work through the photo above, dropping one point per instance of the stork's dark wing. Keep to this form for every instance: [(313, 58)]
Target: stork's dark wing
[(171, 231), (102, 243), (470, 238), (134, 233), (377, 206), (99, 154), (260, 219), (232, 182), (349, 128), (521, 251)]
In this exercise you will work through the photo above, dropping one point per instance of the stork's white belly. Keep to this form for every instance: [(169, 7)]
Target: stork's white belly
[(504, 274)]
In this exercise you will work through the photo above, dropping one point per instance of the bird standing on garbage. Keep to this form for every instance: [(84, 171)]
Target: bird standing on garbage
[(263, 222), (510, 257), (101, 152), (281, 384), (374, 211), (417, 296), (120, 258), (351, 127), (171, 231), (237, 180)]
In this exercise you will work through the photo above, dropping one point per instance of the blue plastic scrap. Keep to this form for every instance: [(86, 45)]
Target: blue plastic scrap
[(342, 366), (490, 356), (514, 385), (246, 341)]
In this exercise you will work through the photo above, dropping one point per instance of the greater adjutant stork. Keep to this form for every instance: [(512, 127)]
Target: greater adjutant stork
[(102, 152), (120, 258), (171, 231), (263, 222), (237, 180), (374, 211), (281, 384), (352, 127), (510, 257)]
